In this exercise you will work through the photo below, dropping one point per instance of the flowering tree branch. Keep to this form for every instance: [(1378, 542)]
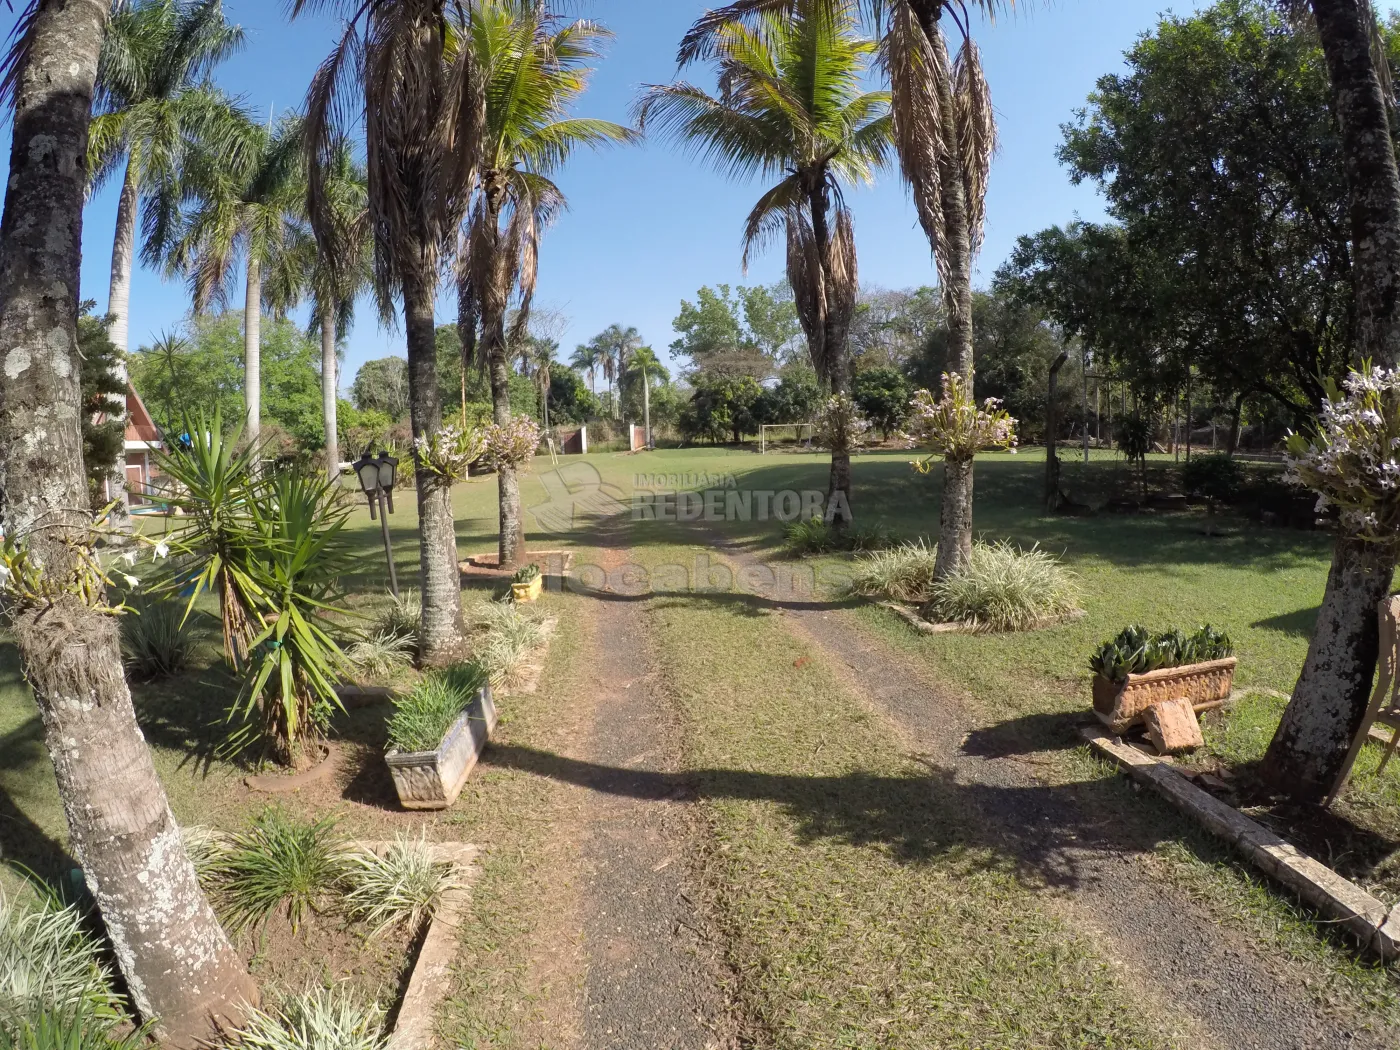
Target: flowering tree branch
[(955, 427)]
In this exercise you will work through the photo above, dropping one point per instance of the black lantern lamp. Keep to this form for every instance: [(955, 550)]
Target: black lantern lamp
[(377, 476)]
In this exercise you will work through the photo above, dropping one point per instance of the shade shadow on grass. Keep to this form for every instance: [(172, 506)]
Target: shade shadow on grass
[(1300, 622)]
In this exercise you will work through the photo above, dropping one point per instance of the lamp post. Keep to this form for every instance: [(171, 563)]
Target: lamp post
[(377, 476)]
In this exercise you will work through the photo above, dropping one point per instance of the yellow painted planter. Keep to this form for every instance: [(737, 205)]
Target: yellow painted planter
[(528, 592)]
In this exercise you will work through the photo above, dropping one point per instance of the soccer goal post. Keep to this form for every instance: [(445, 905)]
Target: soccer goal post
[(796, 429)]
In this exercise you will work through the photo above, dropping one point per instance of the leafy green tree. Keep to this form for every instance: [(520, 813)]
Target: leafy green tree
[(741, 330), (795, 399), (892, 328), (720, 407), (104, 404), (791, 106), (381, 385), (770, 317), (883, 394), (533, 67), (570, 400)]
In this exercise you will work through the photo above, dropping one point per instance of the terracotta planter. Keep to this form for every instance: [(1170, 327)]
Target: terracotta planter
[(528, 592), (1120, 705), (434, 779)]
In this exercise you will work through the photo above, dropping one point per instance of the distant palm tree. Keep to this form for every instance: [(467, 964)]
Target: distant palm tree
[(247, 203), (945, 134), (532, 66), (542, 357), (790, 106), (421, 108), (643, 367), (153, 99), (586, 359)]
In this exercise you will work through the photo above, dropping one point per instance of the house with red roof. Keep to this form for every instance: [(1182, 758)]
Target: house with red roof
[(142, 439)]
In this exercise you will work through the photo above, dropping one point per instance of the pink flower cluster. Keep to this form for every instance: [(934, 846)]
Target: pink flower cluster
[(955, 426), (513, 443), (840, 426), (1353, 462), (450, 452)]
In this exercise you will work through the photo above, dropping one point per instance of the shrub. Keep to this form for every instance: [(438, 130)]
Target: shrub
[(53, 1028), (526, 574), (381, 655), (813, 536), (1137, 651), (401, 618), (279, 863), (206, 849), (1003, 588), (903, 574), (317, 1019), (508, 635), (403, 886), (1214, 477), (158, 639), (422, 718), (48, 962)]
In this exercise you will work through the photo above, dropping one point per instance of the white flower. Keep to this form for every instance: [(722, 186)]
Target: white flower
[(162, 549), (131, 581), (129, 557), (4, 574)]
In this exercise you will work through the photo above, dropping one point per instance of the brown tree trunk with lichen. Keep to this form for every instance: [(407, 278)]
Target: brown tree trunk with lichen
[(830, 352), (177, 962), (440, 636), (1330, 698)]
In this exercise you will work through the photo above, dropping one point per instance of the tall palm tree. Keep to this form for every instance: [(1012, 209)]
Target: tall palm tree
[(542, 354), (421, 108), (533, 66), (153, 98), (248, 204), (790, 106), (180, 969), (616, 346), (643, 367), (945, 134), (586, 359)]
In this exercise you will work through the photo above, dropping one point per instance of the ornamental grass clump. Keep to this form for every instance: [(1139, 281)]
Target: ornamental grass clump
[(280, 862), (48, 962), (901, 574), (1003, 588), (404, 886), (422, 718), (1353, 462), (316, 1019), (506, 636)]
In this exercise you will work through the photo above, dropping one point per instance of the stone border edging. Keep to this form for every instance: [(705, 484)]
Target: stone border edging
[(285, 784), (1363, 916), (431, 979), (914, 620)]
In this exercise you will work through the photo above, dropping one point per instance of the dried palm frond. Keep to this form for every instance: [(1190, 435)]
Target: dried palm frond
[(977, 136)]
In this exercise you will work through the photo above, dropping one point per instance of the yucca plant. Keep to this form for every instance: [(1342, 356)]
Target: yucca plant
[(49, 962), (158, 638), (422, 718), (214, 479), (293, 552), (404, 886), (1003, 588), (280, 862), (316, 1019)]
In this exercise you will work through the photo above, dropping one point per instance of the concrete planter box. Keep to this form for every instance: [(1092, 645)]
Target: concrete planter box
[(434, 779), (528, 592), (1120, 705)]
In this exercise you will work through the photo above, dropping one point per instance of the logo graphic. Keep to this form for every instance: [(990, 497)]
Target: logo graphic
[(576, 494)]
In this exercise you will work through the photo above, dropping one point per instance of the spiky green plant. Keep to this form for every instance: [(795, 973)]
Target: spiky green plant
[(381, 655), (55, 1028), (280, 862), (809, 536), (49, 962), (1137, 651), (206, 849), (400, 619), (404, 886), (902, 574), (505, 636), (1003, 588), (316, 1019), (422, 718), (158, 639)]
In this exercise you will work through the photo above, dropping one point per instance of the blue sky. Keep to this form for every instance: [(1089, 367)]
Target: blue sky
[(648, 227)]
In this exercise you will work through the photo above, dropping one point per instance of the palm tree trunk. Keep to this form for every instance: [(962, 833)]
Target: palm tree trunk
[(252, 353), (440, 637), (831, 357), (329, 393), (511, 543), (1330, 698), (119, 307), (179, 966)]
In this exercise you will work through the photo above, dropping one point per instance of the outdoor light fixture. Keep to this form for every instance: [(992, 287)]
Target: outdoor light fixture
[(376, 477)]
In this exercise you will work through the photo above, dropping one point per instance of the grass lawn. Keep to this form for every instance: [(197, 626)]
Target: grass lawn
[(838, 934)]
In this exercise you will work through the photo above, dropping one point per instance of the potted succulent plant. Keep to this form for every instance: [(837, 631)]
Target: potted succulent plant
[(1135, 670), (527, 584), (436, 735)]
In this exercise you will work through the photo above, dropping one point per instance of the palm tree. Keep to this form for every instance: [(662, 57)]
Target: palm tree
[(790, 106), (246, 203), (945, 134), (179, 967), (1330, 699), (533, 67), (586, 359), (153, 98), (542, 356), (615, 347), (400, 68), (643, 366)]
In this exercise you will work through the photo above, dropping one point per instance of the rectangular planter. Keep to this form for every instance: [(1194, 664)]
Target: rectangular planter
[(1120, 705), (528, 592), (434, 779)]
